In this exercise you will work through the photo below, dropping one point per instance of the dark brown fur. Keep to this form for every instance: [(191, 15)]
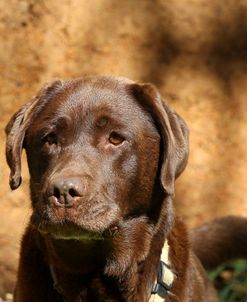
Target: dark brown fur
[(103, 155), (220, 240)]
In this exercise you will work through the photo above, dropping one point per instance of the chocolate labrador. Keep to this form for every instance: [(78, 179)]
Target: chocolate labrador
[(103, 155)]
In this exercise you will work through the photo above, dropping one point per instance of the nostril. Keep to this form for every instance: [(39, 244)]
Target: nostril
[(73, 192), (56, 193)]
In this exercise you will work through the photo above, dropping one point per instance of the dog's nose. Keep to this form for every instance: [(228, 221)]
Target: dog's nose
[(63, 192)]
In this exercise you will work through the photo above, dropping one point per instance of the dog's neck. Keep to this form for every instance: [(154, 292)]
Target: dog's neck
[(164, 280), (85, 269)]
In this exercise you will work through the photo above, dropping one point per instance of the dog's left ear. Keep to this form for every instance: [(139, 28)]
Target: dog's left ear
[(173, 130), (16, 131)]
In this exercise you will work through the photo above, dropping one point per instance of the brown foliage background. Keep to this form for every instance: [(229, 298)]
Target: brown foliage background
[(195, 51)]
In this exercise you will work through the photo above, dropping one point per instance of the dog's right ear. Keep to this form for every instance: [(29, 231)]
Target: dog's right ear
[(17, 127), (173, 131)]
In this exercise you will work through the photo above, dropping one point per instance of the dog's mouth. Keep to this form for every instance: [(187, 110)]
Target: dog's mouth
[(72, 229), (90, 222)]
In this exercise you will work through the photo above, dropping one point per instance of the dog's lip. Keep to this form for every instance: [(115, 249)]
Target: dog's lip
[(82, 236), (75, 232)]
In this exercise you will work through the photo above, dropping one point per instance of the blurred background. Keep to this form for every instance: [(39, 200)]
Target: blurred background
[(195, 51)]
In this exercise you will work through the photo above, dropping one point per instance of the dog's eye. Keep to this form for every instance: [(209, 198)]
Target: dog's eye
[(50, 139), (115, 138)]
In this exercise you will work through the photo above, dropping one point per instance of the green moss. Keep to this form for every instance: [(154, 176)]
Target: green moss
[(230, 280)]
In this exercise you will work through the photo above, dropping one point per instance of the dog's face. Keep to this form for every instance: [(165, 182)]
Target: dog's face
[(96, 148), (86, 159)]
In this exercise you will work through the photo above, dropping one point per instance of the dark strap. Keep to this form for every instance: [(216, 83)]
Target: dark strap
[(165, 277), (163, 284)]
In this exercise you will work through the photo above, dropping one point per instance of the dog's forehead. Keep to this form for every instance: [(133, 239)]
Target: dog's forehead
[(81, 99)]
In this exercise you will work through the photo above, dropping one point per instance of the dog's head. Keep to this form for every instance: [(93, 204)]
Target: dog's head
[(97, 148)]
